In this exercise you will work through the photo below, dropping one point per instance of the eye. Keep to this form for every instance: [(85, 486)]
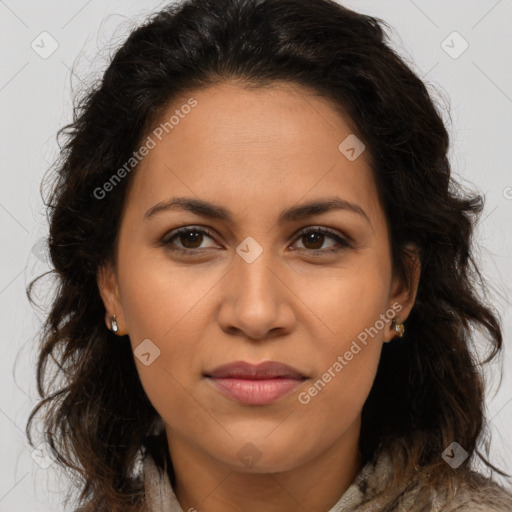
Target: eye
[(314, 239), (190, 238)]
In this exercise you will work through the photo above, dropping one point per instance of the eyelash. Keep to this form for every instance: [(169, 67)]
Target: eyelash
[(167, 240)]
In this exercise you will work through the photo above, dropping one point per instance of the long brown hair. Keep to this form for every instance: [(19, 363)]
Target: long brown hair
[(428, 391)]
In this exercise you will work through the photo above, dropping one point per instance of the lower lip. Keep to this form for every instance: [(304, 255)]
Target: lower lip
[(255, 392)]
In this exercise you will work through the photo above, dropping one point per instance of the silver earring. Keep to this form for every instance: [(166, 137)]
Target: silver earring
[(113, 324), (399, 330)]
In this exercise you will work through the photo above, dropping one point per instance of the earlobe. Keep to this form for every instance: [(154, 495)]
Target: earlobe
[(109, 292), (404, 293)]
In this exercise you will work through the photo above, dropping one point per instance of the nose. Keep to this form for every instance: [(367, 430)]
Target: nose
[(256, 302)]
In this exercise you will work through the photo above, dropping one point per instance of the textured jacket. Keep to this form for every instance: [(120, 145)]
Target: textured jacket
[(367, 493)]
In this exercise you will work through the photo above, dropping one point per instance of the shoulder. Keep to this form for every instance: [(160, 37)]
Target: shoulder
[(478, 494), (428, 490), (469, 493)]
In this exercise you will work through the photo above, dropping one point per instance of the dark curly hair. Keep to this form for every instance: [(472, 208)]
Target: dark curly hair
[(428, 391)]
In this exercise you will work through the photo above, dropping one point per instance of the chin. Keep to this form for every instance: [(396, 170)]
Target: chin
[(251, 456)]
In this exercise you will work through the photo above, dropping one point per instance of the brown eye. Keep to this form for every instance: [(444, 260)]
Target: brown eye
[(189, 238), (314, 239)]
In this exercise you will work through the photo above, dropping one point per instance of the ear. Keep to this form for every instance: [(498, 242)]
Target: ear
[(109, 292), (403, 294)]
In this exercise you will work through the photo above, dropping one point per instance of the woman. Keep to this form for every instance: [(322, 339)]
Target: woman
[(266, 289)]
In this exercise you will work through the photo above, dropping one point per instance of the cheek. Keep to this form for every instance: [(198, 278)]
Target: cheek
[(347, 367), (160, 305), (353, 309), (159, 296), (171, 395), (353, 300)]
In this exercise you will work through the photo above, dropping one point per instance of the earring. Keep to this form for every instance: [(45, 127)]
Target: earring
[(399, 330), (113, 324)]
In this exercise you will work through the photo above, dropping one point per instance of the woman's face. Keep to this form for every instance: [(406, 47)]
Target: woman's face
[(258, 284)]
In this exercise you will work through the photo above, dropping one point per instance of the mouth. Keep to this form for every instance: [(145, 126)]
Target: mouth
[(255, 384)]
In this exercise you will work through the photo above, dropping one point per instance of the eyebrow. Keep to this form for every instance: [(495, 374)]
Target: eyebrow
[(217, 212)]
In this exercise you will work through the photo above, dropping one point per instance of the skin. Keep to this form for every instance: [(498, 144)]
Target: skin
[(256, 153)]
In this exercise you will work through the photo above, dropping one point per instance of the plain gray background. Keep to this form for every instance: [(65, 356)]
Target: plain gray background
[(35, 101)]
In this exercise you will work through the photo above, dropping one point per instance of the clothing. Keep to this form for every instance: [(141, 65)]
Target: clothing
[(367, 493)]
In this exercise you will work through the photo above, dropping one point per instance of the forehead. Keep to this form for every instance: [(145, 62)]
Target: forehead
[(264, 148)]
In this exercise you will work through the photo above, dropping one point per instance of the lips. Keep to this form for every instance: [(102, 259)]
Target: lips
[(266, 370), (255, 384)]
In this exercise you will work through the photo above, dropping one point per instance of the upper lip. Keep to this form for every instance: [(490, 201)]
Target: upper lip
[(265, 370)]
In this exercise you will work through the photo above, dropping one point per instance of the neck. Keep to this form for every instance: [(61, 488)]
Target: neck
[(206, 484)]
